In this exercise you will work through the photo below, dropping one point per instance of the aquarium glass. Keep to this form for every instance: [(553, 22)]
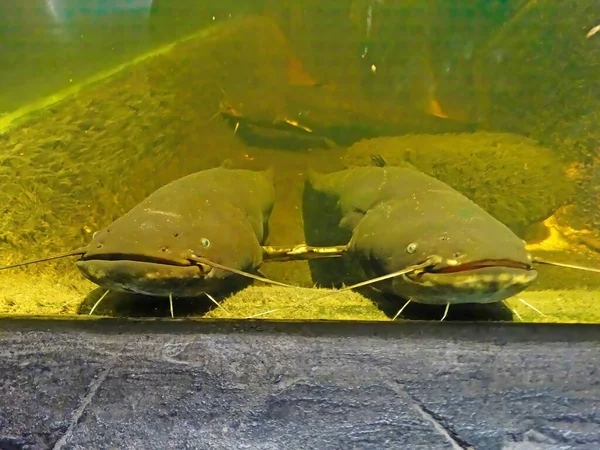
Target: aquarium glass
[(451, 143)]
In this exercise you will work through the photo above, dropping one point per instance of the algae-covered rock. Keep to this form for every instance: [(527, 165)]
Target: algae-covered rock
[(512, 177), (537, 74)]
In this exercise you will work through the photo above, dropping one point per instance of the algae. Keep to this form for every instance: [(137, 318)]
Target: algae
[(537, 75)]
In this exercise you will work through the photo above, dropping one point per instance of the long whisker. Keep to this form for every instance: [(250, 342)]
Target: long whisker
[(568, 266), (265, 313), (78, 252), (401, 309), (431, 262), (532, 307), (514, 310), (425, 265), (445, 312), (212, 299), (98, 302), (208, 262), (171, 305)]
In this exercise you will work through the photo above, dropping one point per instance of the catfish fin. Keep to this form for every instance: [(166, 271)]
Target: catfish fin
[(313, 177), (378, 160), (227, 164), (318, 181), (269, 173), (351, 219)]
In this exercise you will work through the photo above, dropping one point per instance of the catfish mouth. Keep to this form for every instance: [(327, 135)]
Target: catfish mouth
[(484, 264), (484, 281), (138, 258), (146, 260), (147, 274)]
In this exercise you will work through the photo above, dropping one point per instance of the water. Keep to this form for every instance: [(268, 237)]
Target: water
[(102, 103), (49, 45)]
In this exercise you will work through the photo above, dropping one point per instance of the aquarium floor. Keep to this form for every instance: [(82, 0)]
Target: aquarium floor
[(24, 295), (273, 385), (46, 290)]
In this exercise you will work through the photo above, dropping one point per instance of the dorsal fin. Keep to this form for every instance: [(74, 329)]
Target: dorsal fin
[(227, 164)]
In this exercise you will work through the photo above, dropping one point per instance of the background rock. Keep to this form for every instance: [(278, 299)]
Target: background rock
[(512, 177)]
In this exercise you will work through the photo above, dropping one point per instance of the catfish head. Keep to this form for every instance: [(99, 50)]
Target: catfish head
[(162, 252), (473, 257)]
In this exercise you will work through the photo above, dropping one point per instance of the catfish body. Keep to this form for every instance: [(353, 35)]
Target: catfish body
[(218, 214), (398, 217)]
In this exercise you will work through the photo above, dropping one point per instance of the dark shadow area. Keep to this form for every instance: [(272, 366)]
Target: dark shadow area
[(321, 215), (119, 304), (390, 305)]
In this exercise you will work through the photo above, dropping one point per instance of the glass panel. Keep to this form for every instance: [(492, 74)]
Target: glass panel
[(328, 143)]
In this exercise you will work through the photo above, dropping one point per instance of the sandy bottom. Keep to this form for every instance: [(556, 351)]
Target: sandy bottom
[(42, 295)]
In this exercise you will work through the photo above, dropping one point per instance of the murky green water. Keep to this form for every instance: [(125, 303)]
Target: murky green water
[(48, 45), (104, 102)]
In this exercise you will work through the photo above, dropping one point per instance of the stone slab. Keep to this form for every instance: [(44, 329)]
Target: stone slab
[(272, 385)]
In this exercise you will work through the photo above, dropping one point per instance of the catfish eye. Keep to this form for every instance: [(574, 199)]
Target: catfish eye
[(411, 248), (205, 242)]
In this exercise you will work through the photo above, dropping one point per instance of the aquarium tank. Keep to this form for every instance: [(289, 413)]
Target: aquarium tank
[(311, 160)]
